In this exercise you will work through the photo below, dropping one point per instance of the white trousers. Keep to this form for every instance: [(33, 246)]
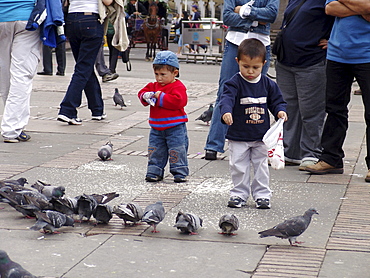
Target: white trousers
[(20, 55), (242, 156)]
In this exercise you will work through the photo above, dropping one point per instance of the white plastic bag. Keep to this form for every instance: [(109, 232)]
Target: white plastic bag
[(274, 142)]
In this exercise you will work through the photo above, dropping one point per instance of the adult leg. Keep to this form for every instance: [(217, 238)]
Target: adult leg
[(100, 65), (20, 67), (60, 52), (285, 77), (47, 61), (217, 131), (240, 159), (85, 43), (260, 182), (338, 93), (113, 54), (362, 74), (311, 84)]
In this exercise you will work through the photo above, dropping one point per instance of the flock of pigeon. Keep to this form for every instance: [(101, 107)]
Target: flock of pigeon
[(52, 209)]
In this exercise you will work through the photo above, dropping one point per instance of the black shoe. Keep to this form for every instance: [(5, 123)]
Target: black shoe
[(263, 203), (210, 155), (153, 179), (60, 73), (236, 202), (44, 73), (179, 179)]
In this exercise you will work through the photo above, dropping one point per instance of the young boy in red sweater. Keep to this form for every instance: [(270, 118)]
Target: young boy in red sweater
[(168, 139)]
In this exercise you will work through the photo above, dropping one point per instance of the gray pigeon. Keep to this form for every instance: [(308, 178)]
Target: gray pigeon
[(49, 190), (15, 185), (49, 220), (11, 269), (118, 99), (86, 205), (291, 228), (65, 205), (153, 215), (129, 212), (105, 152), (228, 223), (103, 213), (188, 223), (206, 116)]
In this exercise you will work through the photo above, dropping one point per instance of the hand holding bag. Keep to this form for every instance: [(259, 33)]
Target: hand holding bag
[(273, 139)]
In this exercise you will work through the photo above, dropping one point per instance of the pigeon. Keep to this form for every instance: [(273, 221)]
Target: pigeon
[(103, 213), (18, 202), (291, 228), (49, 220), (15, 185), (188, 223), (118, 98), (86, 205), (129, 212), (228, 223), (206, 116), (105, 151), (11, 269), (105, 198), (49, 190), (153, 215), (65, 205)]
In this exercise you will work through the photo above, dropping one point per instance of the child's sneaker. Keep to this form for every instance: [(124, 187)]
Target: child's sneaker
[(263, 203), (236, 202)]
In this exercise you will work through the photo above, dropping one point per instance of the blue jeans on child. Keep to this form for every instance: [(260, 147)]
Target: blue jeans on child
[(168, 145), (85, 34)]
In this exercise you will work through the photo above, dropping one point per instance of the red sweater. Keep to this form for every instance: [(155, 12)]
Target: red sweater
[(169, 107)]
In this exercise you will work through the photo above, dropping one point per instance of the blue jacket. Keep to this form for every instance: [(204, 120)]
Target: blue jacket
[(249, 104), (48, 15), (262, 11)]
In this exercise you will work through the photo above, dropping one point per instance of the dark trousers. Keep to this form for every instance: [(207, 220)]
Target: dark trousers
[(85, 35), (47, 58), (113, 54), (338, 93)]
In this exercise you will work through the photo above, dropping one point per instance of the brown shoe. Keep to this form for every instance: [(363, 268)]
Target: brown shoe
[(367, 178), (322, 168)]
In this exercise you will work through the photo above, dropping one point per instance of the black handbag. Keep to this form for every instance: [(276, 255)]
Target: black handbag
[(126, 58), (278, 47)]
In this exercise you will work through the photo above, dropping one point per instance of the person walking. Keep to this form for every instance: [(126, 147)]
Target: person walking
[(252, 20), (348, 57), (85, 31), (300, 74), (20, 55), (245, 104)]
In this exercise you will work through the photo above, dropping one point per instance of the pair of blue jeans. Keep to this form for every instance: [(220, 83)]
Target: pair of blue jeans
[(229, 67), (85, 34), (168, 145)]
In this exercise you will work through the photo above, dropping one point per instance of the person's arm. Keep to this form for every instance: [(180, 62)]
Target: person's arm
[(107, 2), (359, 6), (336, 8)]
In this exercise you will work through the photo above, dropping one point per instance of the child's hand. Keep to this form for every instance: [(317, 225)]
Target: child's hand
[(228, 118), (283, 115), (149, 98)]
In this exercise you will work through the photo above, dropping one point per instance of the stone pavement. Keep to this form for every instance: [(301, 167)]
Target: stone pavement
[(337, 243)]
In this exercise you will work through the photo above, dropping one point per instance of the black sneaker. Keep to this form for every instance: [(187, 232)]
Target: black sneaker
[(263, 203), (153, 179), (210, 155), (179, 179), (99, 118), (236, 202)]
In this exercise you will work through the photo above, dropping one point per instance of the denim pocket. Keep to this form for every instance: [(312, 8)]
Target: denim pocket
[(91, 28)]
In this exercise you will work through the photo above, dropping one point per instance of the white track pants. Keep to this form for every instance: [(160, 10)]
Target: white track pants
[(242, 156), (20, 55)]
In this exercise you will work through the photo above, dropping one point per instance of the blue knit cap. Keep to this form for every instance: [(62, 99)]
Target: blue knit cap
[(166, 58)]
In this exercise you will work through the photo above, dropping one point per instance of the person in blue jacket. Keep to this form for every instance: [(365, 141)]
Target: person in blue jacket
[(245, 103), (245, 20)]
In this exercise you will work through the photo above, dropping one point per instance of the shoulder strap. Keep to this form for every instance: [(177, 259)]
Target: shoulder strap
[(290, 16)]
